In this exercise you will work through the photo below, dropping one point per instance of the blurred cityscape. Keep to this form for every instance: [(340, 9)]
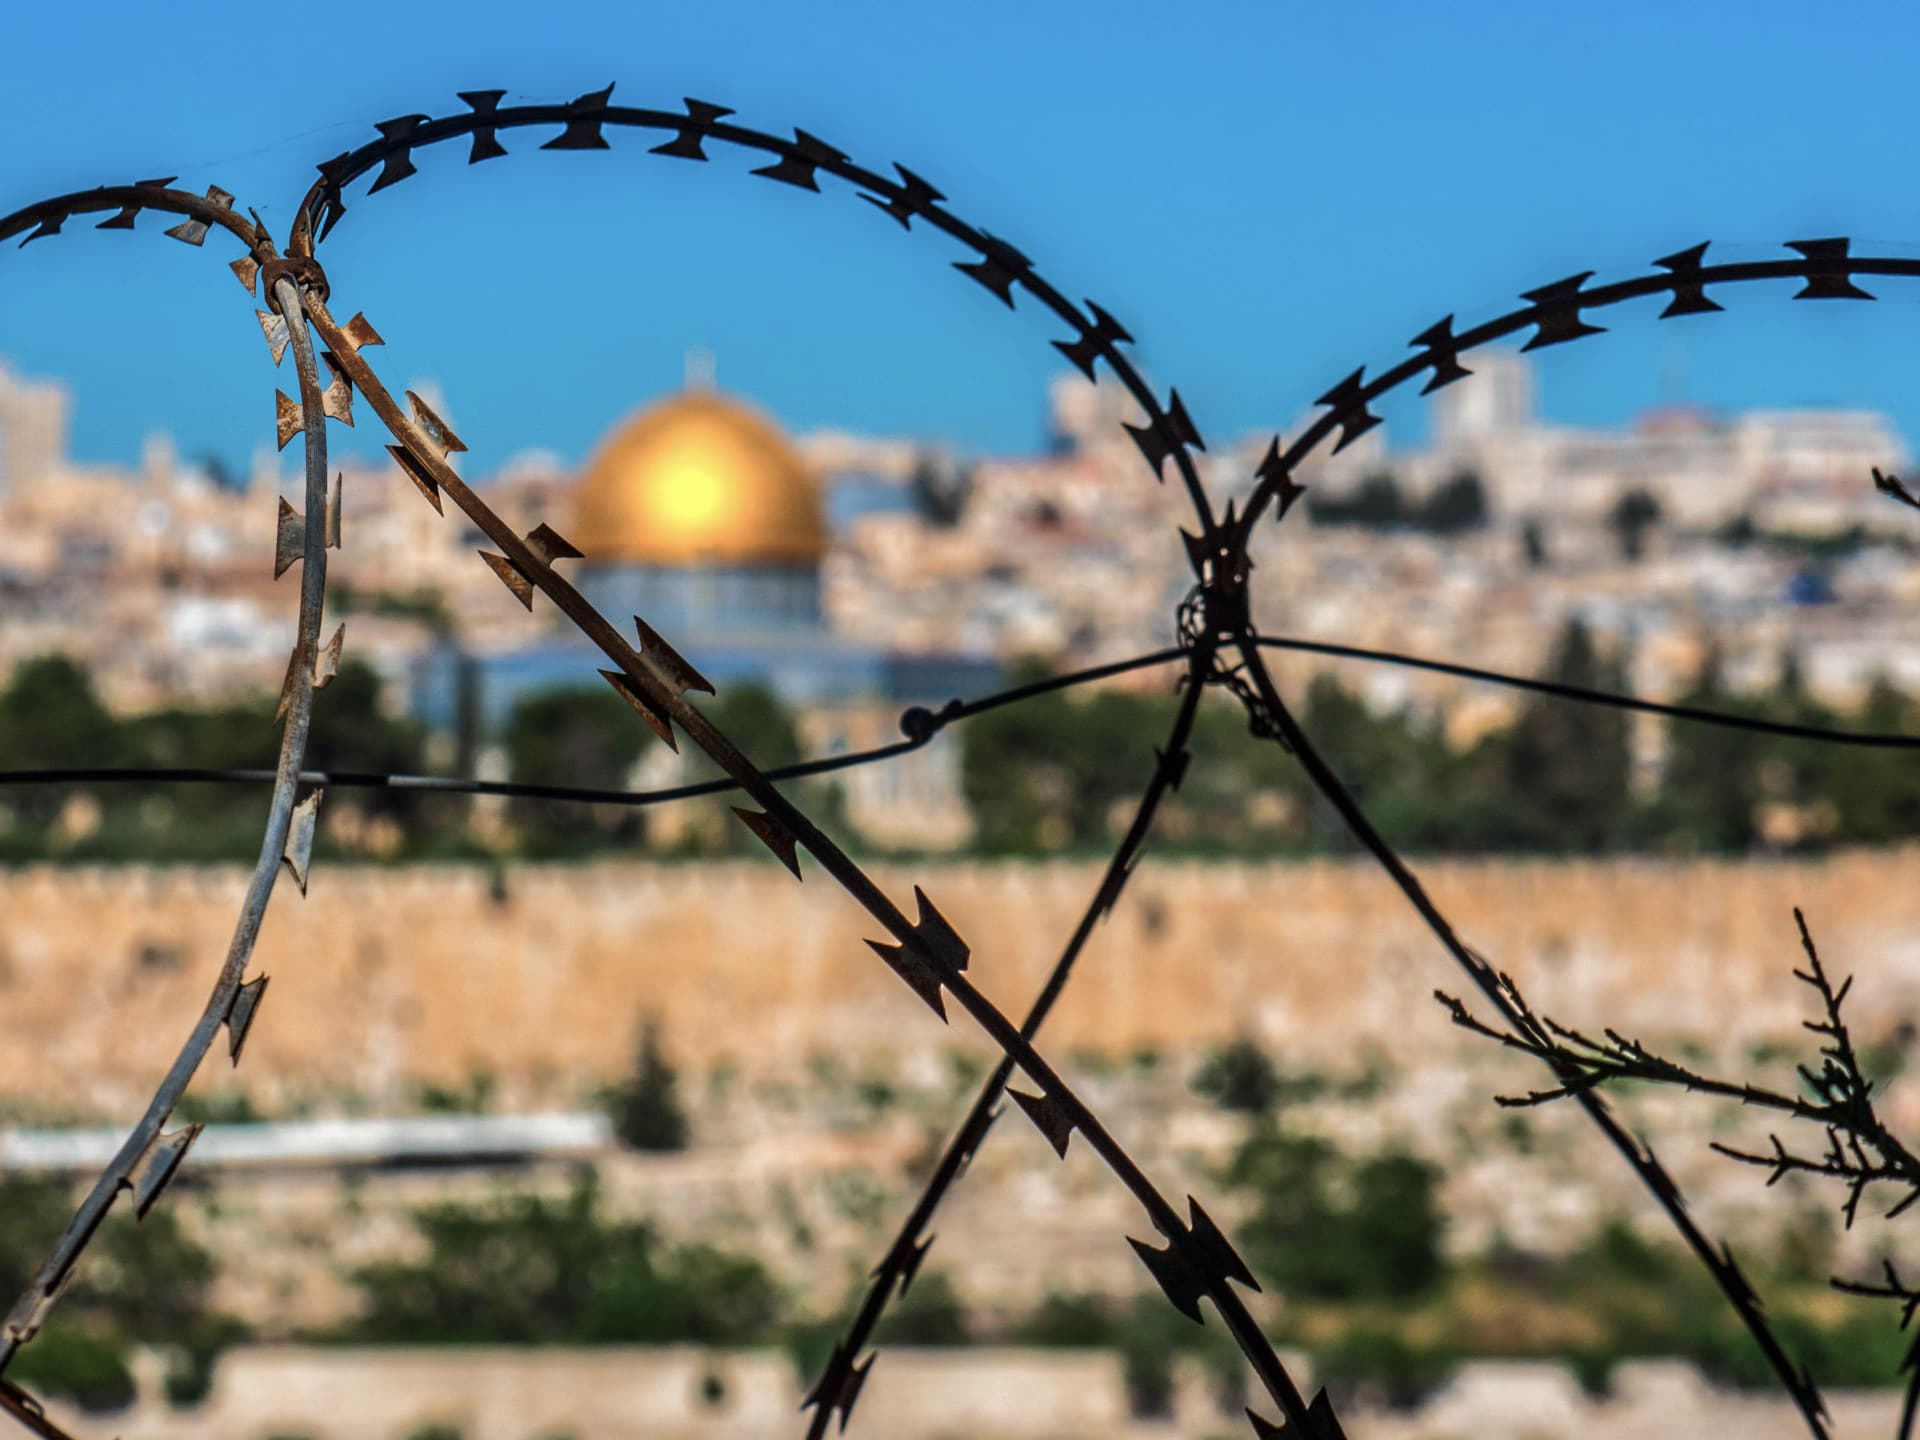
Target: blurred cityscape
[(567, 1122), (837, 580)]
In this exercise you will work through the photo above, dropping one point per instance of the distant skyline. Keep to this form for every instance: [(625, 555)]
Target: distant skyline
[(1265, 196)]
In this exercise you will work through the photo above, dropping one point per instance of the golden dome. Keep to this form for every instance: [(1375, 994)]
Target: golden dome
[(699, 480)]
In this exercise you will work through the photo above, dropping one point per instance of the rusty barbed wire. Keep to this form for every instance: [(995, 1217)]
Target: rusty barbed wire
[(151, 1155), (1218, 642)]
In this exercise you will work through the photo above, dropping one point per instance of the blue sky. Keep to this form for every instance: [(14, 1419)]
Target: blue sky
[(1266, 195)]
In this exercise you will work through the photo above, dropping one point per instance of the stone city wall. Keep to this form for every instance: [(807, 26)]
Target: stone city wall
[(387, 978)]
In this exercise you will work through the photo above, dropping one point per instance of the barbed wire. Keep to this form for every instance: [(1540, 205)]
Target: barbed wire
[(1219, 646), (150, 1156)]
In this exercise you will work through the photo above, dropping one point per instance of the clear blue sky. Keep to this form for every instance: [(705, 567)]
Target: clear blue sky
[(1266, 195)]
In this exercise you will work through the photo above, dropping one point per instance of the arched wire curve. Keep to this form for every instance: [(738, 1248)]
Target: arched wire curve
[(147, 1160), (1826, 269), (1000, 269), (1555, 313)]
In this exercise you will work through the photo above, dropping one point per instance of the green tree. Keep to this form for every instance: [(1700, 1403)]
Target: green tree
[(1055, 772), (931, 1312), (1562, 770), (1458, 504), (1710, 785), (1325, 1227), (1876, 793), (352, 732), (646, 1109), (1375, 504), (760, 724), (527, 1270), (1533, 545), (1240, 1077), (581, 738), (50, 718), (1633, 515)]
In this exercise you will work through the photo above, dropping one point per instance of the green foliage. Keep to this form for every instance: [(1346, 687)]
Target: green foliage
[(1239, 1077), (1067, 1321), (473, 1098), (1047, 774), (646, 1110), (1377, 503), (437, 1431), (1459, 503), (1059, 772), (1374, 504), (587, 739), (49, 716), (75, 1364), (142, 1282), (526, 1270), (759, 723), (1375, 1362), (1633, 515), (1327, 1227), (929, 1313), (1563, 770), (1876, 797)]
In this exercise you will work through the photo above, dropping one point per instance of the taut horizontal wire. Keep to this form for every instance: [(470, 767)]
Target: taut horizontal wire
[(935, 722), (1581, 693)]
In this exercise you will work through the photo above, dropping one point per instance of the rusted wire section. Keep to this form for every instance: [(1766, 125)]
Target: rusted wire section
[(151, 1155), (925, 952), (1000, 268), (202, 213)]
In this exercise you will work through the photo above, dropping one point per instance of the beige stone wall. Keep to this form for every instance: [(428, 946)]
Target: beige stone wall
[(385, 978), (499, 1394)]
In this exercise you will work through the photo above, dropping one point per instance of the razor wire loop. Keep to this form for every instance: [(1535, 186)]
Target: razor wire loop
[(930, 956), (1826, 270), (150, 1156), (1189, 1266), (1000, 268)]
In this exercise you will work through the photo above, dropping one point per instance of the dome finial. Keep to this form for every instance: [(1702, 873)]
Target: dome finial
[(697, 369)]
